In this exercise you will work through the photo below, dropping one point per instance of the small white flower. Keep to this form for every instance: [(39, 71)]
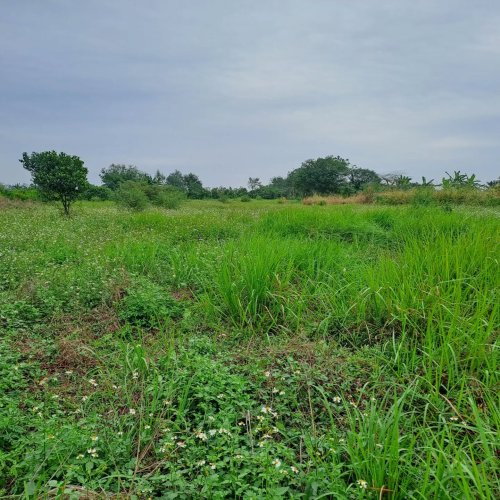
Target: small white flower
[(213, 466), (201, 463), (336, 399), (146, 427), (181, 444), (92, 382), (212, 432), (80, 456), (362, 484), (294, 469), (135, 375), (277, 463), (131, 411), (94, 438), (201, 435), (267, 374), (454, 419)]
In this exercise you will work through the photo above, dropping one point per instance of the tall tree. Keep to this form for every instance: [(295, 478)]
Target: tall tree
[(254, 183), (194, 187), (176, 179), (58, 176), (327, 175)]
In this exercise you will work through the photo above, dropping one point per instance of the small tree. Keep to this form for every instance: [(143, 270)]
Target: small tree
[(58, 176)]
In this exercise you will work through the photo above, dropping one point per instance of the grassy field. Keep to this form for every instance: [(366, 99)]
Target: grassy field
[(249, 350)]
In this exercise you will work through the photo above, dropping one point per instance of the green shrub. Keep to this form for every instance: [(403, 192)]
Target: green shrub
[(146, 304), (131, 195), (246, 198)]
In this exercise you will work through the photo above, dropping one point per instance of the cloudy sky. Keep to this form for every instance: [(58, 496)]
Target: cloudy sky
[(231, 89)]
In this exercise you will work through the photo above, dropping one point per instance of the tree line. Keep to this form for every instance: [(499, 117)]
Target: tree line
[(62, 177)]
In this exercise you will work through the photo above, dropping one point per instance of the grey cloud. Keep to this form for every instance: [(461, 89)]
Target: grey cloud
[(233, 89)]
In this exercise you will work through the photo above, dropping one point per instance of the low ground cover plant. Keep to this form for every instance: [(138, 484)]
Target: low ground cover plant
[(249, 350)]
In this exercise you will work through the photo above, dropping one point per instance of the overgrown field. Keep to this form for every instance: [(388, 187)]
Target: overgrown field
[(249, 350)]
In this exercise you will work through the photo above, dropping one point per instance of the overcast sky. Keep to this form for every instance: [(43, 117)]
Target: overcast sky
[(231, 89)]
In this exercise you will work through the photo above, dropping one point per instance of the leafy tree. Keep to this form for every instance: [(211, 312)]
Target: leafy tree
[(176, 179), (193, 186), (159, 178), (58, 176), (327, 175), (361, 177), (116, 174), (254, 183)]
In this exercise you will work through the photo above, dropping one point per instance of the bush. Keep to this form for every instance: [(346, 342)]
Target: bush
[(131, 195), (246, 198), (146, 304), (165, 196)]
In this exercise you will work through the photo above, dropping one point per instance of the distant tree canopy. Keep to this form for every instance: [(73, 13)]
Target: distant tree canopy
[(115, 174), (327, 175), (57, 176)]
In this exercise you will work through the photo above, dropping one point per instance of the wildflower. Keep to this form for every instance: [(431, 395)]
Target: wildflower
[(297, 372), (119, 433), (294, 469), (362, 484), (92, 382), (220, 396), (337, 399), (90, 451), (94, 438), (223, 431), (181, 444), (267, 436), (284, 472), (267, 374), (115, 387), (241, 424), (201, 435), (266, 409), (454, 419), (80, 456), (277, 463), (213, 466), (353, 404), (135, 375), (201, 463), (282, 393), (212, 432), (238, 457), (260, 418), (146, 427), (167, 402), (275, 390), (131, 411)]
